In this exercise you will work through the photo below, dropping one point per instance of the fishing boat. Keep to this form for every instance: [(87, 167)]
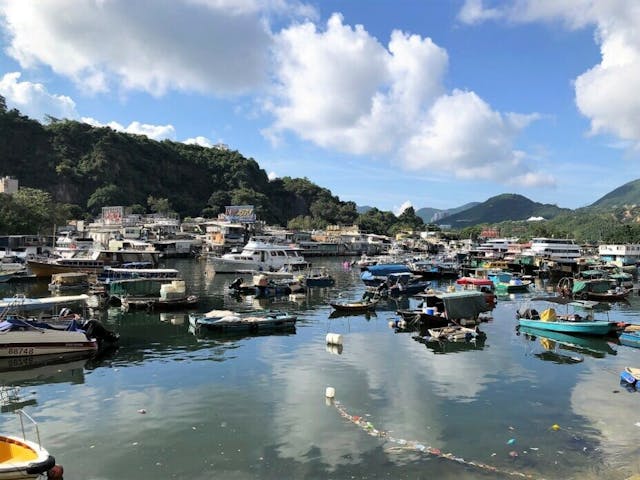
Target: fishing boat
[(455, 333), (548, 320), (69, 282), (571, 321), (506, 282), (483, 285), (355, 307), (228, 321), (22, 458), (441, 308), (318, 277)]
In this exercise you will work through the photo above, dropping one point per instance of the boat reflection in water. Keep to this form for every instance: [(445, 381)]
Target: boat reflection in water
[(556, 344)]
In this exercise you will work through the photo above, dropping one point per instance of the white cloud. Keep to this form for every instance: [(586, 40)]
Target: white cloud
[(399, 210), (272, 176), (605, 93), (463, 136), (33, 99), (204, 46), (155, 132), (199, 140), (341, 89)]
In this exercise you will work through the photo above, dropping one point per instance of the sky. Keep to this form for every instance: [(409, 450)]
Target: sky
[(387, 103)]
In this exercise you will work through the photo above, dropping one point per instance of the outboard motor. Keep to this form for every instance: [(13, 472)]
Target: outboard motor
[(95, 329), (235, 285)]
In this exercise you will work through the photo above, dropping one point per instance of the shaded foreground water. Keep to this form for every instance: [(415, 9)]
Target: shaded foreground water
[(172, 404)]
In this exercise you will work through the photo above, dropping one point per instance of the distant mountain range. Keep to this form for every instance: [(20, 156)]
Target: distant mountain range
[(624, 201)]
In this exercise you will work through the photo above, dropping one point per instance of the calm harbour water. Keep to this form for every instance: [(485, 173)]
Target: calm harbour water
[(234, 407)]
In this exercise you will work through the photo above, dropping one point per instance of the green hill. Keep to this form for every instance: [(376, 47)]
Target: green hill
[(88, 168), (501, 208), (628, 195), (426, 213)]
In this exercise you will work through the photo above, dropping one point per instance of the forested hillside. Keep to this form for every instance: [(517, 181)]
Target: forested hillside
[(91, 167)]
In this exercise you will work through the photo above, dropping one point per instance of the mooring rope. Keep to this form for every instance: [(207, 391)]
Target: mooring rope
[(414, 446)]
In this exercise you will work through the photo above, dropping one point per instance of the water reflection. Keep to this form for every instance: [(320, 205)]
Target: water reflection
[(252, 406), (553, 341)]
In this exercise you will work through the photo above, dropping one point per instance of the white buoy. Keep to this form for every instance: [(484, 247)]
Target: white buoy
[(334, 339), (330, 392)]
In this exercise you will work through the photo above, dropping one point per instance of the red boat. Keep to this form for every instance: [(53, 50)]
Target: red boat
[(483, 285)]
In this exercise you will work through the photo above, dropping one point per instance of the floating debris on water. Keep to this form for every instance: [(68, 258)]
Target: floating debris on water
[(404, 445)]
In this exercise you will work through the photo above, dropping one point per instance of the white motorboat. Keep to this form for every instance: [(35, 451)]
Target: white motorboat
[(20, 337), (22, 458), (257, 255)]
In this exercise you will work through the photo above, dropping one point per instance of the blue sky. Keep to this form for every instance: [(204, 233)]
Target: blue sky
[(387, 103)]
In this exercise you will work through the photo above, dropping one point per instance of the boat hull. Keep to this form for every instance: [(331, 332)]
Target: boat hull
[(44, 342), (23, 459), (583, 328)]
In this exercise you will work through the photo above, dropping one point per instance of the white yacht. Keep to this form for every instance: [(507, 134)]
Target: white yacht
[(558, 249), (257, 255)]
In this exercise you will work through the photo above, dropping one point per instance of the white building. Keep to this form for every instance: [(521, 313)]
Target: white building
[(621, 255), (8, 185)]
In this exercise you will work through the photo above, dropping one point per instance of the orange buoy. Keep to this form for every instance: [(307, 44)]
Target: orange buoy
[(55, 472)]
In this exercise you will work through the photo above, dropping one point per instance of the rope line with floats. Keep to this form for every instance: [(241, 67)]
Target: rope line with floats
[(415, 446)]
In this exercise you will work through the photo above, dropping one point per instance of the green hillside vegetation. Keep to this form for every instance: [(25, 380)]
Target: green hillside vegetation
[(72, 169), (626, 196)]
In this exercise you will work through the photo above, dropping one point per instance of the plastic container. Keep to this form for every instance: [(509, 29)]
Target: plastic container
[(334, 339), (330, 392), (430, 311)]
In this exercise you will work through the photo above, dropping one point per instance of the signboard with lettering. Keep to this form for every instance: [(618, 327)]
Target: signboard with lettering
[(112, 215), (240, 214)]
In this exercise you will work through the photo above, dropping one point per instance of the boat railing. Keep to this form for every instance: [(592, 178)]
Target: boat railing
[(24, 415)]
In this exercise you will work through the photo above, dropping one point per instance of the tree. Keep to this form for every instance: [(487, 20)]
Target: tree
[(104, 196), (158, 205)]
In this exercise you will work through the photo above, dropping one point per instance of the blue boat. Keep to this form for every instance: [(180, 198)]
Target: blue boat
[(630, 338), (374, 275), (589, 327)]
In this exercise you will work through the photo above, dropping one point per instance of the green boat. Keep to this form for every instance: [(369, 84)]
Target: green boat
[(589, 327)]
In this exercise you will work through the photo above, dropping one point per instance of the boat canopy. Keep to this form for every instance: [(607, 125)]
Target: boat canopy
[(595, 286), (480, 282), (468, 304), (385, 269)]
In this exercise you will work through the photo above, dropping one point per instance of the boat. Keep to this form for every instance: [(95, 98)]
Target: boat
[(630, 336), (400, 284), (455, 333), (228, 321), (170, 296), (90, 262), (600, 289), (483, 285), (22, 458), (21, 337), (318, 277), (21, 304), (549, 320), (375, 275), (355, 307), (267, 286), (259, 255), (506, 282), (630, 375), (463, 307), (137, 270), (69, 282)]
